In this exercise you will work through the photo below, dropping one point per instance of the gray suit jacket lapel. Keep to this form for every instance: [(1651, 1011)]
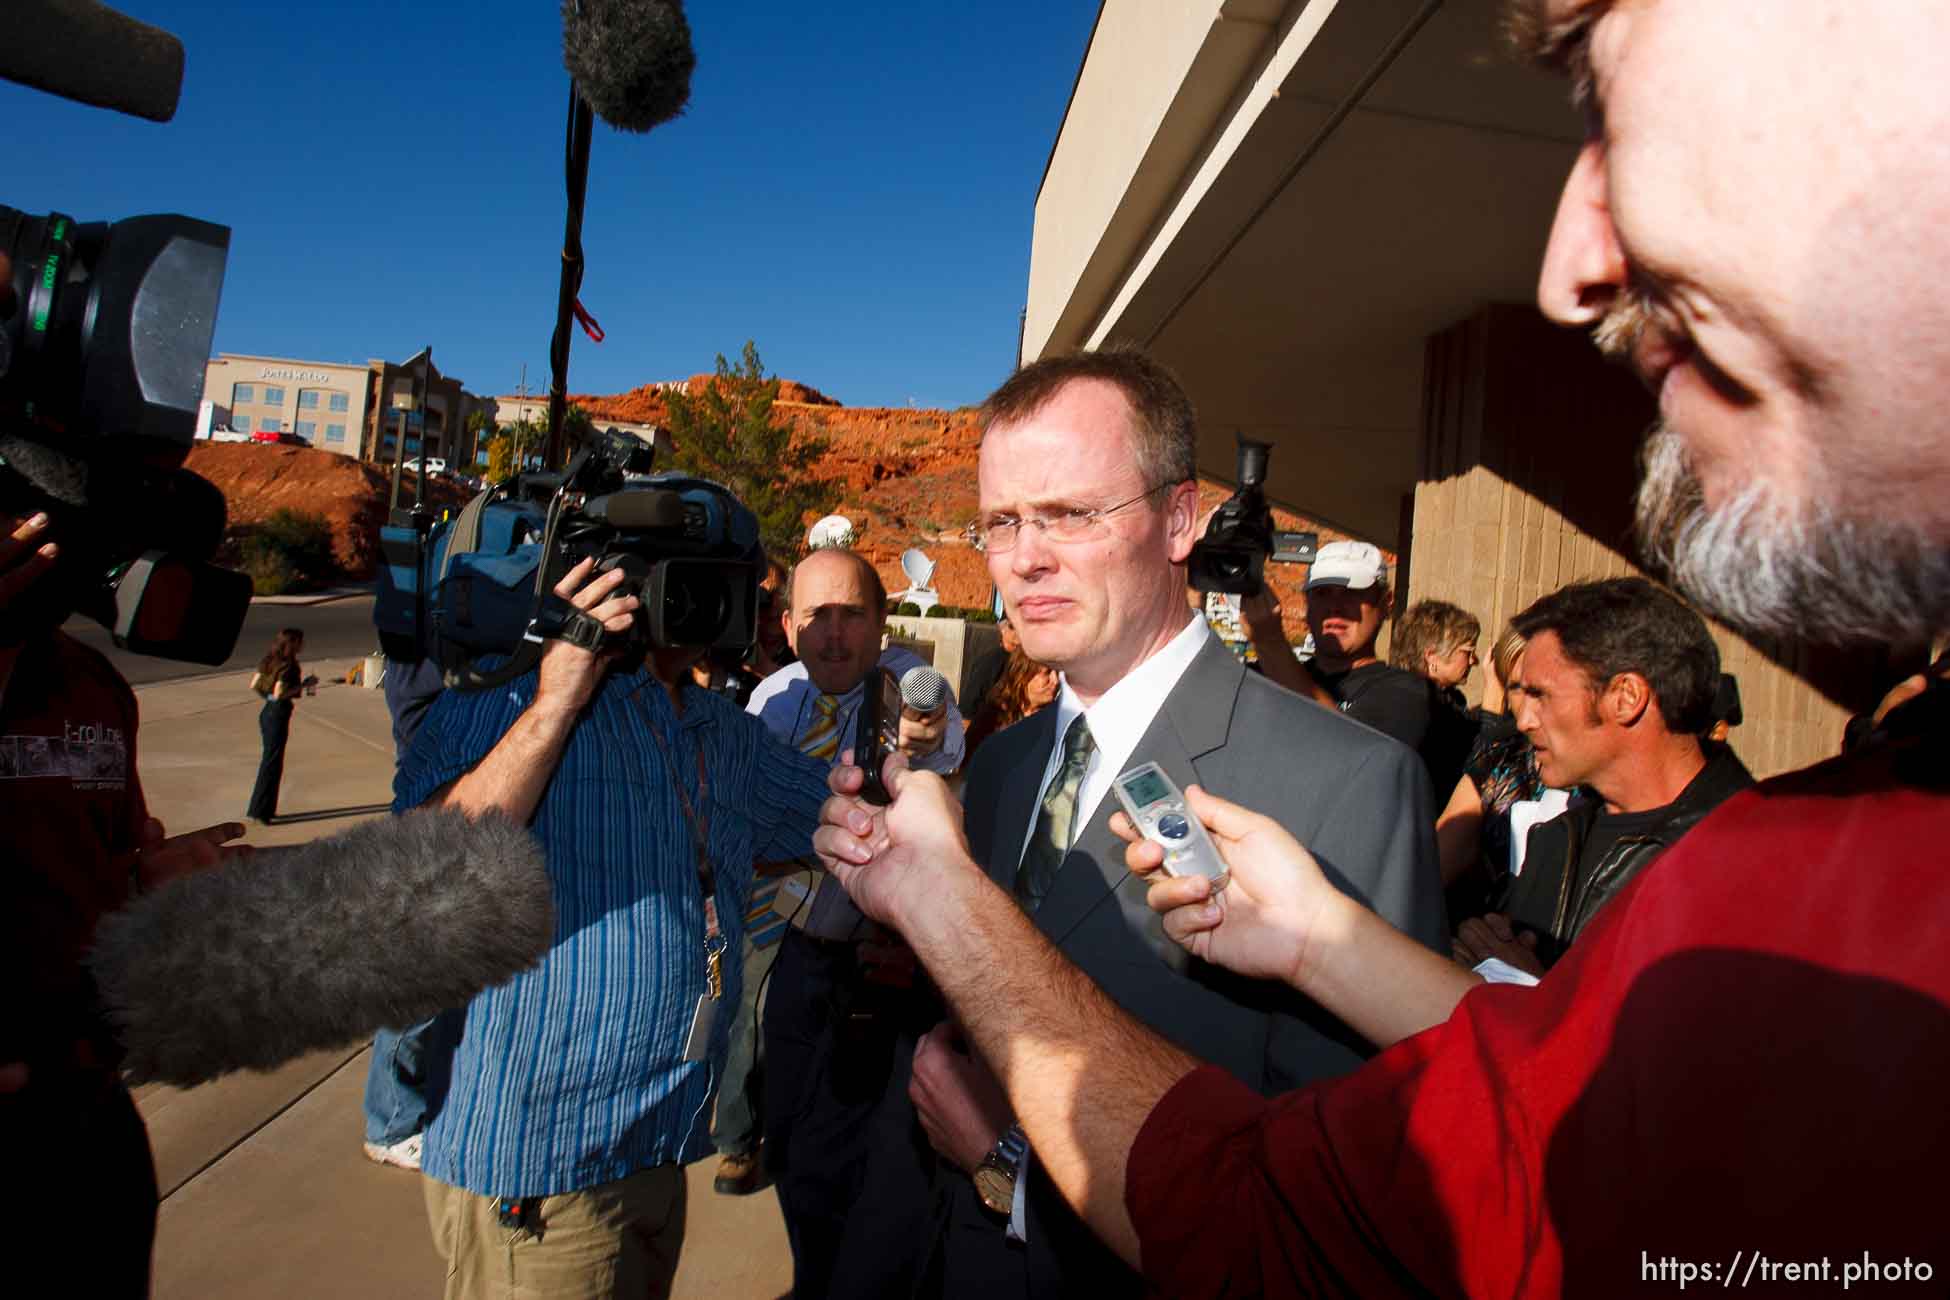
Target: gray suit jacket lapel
[(1193, 722), (1017, 801)]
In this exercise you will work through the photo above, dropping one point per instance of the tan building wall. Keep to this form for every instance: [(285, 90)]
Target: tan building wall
[(274, 385), (1528, 468)]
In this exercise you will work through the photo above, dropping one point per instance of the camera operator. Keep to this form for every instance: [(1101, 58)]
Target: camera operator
[(80, 844), (1347, 602), (581, 1088)]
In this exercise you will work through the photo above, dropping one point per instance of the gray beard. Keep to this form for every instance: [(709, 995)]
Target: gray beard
[(1804, 571)]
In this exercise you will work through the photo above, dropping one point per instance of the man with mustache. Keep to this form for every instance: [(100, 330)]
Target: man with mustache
[(841, 996), (1737, 1072)]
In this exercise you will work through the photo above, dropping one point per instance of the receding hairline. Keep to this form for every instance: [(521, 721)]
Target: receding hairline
[(1016, 419), (875, 589)]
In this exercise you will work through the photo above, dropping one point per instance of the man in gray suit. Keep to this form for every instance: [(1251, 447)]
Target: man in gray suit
[(1089, 511)]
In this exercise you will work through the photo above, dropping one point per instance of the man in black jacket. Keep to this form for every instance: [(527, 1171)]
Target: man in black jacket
[(1618, 683)]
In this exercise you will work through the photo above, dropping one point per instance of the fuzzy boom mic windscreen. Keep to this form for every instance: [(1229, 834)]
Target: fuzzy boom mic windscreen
[(85, 51), (287, 951), (631, 59)]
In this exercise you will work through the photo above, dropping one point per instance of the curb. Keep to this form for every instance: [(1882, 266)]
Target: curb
[(315, 597), (339, 667)]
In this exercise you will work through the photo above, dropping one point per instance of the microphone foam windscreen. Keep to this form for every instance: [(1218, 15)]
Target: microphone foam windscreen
[(631, 59), (924, 689), (85, 51), (286, 951)]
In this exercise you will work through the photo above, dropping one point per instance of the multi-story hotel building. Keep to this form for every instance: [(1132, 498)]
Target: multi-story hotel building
[(354, 410)]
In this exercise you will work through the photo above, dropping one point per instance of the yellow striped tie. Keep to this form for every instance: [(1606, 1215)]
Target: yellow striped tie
[(822, 739)]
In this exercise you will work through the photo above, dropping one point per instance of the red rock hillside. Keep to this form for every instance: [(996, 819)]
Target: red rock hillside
[(906, 477), (259, 479)]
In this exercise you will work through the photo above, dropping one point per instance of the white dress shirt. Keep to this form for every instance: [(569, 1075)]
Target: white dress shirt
[(1117, 721)]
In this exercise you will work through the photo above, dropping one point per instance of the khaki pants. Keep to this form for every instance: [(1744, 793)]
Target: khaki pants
[(612, 1240)]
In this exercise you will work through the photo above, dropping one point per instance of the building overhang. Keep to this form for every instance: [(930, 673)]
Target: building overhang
[(1283, 201)]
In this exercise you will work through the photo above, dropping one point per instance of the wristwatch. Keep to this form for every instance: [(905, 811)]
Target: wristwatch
[(995, 1177)]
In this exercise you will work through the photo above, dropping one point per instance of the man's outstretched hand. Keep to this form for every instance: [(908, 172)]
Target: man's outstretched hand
[(1261, 924), (165, 857), (891, 860)]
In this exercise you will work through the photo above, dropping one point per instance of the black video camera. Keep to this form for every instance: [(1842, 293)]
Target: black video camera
[(481, 587), (1240, 537), (105, 330)]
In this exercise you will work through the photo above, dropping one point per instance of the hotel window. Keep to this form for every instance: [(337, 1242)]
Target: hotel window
[(273, 396), (305, 429), (241, 423), (335, 433), (269, 424), (308, 399), (243, 394), (341, 403)]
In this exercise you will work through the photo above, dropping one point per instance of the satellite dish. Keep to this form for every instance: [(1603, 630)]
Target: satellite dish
[(917, 566), (832, 532)]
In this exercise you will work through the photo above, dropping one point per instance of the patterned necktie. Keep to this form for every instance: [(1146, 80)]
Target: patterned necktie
[(1052, 837), (822, 739)]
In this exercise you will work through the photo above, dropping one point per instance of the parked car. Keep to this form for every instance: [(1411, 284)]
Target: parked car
[(287, 439), (435, 466), (228, 435)]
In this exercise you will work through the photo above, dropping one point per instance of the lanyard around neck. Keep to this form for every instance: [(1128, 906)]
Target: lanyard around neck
[(697, 817)]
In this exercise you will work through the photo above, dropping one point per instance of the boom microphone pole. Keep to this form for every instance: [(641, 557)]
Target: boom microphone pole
[(630, 62)]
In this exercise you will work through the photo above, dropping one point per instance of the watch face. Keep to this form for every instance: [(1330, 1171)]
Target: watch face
[(996, 1188)]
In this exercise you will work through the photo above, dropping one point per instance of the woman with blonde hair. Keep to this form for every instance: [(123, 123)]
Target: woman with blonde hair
[(1501, 770)]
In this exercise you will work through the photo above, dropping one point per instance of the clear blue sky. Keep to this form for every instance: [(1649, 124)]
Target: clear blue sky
[(852, 186)]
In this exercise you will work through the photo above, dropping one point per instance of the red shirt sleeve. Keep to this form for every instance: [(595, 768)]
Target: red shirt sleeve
[(1739, 1063), (1337, 1189)]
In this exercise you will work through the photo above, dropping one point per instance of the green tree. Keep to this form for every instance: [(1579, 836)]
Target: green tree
[(728, 434), (480, 429), (576, 428), (522, 439)]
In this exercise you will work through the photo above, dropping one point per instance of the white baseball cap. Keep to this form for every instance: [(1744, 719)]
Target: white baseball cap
[(1347, 564)]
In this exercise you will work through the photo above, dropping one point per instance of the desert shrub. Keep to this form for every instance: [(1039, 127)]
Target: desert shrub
[(289, 551), (270, 573)]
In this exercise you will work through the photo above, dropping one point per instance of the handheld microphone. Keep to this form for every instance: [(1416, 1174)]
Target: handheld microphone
[(287, 951), (632, 59), (87, 52), (923, 689)]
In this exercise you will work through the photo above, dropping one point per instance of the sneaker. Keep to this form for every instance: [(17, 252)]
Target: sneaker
[(738, 1175), (405, 1153)]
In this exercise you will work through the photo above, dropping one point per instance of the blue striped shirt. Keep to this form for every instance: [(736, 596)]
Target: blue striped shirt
[(572, 1074)]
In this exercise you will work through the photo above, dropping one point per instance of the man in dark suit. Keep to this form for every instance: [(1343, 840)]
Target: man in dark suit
[(1089, 511)]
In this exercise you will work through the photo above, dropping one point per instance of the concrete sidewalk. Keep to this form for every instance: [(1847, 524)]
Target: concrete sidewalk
[(264, 1189)]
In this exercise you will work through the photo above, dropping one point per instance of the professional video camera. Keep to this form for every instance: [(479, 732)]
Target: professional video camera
[(104, 333), (476, 594), (1240, 537)]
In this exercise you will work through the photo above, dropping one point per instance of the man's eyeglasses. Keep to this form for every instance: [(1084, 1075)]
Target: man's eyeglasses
[(997, 533)]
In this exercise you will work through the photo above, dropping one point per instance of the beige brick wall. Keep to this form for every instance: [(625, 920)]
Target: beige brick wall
[(1528, 468), (1492, 547)]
